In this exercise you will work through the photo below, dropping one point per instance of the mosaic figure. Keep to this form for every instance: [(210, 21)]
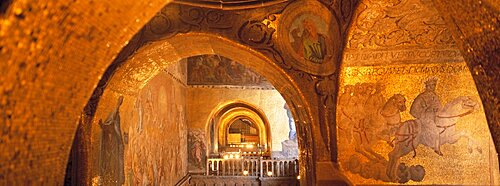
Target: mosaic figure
[(424, 108), (313, 43), (433, 128), (112, 149), (368, 119)]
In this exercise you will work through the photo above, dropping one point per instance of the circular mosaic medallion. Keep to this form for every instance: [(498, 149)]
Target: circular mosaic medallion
[(309, 34)]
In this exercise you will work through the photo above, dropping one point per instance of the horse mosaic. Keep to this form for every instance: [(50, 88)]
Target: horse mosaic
[(367, 120)]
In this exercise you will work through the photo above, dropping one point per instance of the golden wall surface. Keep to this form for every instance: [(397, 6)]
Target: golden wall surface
[(154, 127), (203, 101), (52, 56), (393, 126), (475, 25), (467, 149)]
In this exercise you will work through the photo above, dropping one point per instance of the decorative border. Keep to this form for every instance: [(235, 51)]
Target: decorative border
[(232, 87)]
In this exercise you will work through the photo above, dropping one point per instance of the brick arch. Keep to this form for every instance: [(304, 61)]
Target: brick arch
[(134, 73)]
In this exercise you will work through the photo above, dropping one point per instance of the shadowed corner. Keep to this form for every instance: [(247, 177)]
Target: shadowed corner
[(4, 6)]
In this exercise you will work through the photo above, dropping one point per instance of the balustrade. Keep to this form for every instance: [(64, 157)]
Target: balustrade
[(252, 166)]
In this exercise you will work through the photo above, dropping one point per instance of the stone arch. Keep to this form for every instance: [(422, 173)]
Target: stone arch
[(224, 112), (148, 61), (34, 117)]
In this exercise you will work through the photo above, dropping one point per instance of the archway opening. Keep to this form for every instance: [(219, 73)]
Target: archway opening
[(241, 130), (241, 133), (132, 79)]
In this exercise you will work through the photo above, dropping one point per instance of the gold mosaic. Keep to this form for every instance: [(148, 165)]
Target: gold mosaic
[(416, 124)]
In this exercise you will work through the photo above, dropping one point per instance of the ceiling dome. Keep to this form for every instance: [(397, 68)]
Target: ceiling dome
[(230, 4)]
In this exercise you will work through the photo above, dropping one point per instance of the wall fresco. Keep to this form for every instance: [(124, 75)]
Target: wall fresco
[(157, 147), (218, 70), (197, 151), (111, 159), (417, 127)]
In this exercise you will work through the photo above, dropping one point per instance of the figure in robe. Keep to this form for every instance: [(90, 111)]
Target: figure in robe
[(424, 108), (314, 44), (112, 149)]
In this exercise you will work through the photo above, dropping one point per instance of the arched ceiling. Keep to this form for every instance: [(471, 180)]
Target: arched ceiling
[(404, 31), (230, 4), (55, 52)]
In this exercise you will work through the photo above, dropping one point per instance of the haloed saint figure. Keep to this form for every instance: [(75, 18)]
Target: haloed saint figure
[(310, 43)]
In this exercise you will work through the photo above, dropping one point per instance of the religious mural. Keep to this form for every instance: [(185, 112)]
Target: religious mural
[(310, 37), (111, 165), (403, 133), (407, 102), (196, 151), (218, 70), (156, 152)]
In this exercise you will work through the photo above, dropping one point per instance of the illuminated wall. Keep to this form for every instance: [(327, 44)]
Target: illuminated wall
[(202, 101), (393, 126), (158, 150), (154, 131)]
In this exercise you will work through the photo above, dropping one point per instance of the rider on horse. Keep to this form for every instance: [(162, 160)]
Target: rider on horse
[(424, 108)]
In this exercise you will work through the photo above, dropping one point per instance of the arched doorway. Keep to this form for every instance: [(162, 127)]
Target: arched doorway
[(238, 125), (132, 75), (82, 83)]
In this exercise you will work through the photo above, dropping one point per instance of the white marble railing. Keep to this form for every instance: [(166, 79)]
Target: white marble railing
[(252, 167), (279, 168)]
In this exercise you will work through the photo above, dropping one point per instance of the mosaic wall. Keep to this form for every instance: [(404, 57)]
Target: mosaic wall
[(408, 23), (157, 143), (408, 109), (413, 124), (111, 157), (153, 133), (218, 70)]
